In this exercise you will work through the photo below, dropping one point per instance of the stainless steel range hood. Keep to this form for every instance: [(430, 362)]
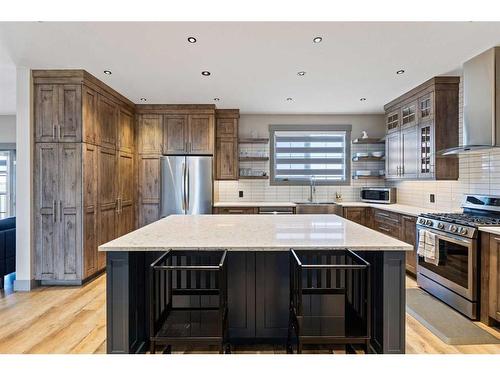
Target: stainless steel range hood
[(481, 128)]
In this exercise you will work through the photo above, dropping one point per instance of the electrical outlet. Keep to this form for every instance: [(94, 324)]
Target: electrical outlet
[(432, 198), (240, 193)]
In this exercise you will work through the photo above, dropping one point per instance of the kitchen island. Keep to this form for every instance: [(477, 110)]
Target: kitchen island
[(258, 273)]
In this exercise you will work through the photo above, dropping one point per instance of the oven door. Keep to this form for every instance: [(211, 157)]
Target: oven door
[(457, 267)]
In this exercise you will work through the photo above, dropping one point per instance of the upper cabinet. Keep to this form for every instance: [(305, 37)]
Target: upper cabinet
[(419, 124), (176, 129), (226, 150), (73, 106), (58, 113)]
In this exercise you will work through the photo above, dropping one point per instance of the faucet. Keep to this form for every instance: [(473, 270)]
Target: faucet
[(312, 189)]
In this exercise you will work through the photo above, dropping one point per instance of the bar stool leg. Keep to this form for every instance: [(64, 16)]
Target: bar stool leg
[(152, 350)]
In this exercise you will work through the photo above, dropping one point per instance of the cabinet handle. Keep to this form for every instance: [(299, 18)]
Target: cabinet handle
[(59, 132), (60, 211), (54, 131), (496, 238), (384, 229), (54, 209), (382, 214), (235, 211)]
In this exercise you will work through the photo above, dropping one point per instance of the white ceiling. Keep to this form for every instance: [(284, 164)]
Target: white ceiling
[(254, 65)]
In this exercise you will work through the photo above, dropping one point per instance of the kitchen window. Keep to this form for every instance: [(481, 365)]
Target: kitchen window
[(304, 153)]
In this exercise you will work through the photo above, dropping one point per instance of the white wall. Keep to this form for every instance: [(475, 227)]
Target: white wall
[(7, 129), (24, 179), (261, 190)]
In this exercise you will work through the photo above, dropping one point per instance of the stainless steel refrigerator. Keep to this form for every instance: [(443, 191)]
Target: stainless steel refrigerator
[(186, 185)]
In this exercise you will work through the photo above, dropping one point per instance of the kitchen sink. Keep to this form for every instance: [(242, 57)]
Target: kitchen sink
[(316, 208)]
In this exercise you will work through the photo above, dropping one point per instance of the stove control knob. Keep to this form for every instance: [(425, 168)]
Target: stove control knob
[(453, 228), (421, 221), (429, 222), (440, 225), (464, 231)]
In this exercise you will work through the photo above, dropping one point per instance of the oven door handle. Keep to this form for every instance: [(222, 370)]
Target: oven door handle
[(447, 236)]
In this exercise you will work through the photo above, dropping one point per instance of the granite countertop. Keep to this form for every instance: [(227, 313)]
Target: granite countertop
[(253, 233), (493, 230)]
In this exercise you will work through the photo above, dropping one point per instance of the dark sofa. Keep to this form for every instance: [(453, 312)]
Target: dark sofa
[(7, 247)]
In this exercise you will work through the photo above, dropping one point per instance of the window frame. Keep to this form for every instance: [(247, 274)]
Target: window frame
[(304, 127)]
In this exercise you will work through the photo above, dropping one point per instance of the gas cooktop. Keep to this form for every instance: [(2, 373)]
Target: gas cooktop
[(469, 219)]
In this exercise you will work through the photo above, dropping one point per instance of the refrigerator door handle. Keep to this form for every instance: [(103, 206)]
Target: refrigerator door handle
[(184, 186), (187, 189)]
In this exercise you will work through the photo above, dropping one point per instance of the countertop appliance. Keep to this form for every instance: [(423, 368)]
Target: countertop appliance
[(185, 185), (455, 280), (378, 195)]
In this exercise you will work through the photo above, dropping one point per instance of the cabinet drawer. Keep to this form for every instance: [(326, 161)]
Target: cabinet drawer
[(387, 227), (235, 210), (387, 216)]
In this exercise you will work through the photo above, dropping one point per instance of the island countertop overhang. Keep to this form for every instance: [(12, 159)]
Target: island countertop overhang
[(254, 233)]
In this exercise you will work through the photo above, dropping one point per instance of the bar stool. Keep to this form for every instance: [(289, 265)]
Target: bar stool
[(188, 300), (330, 299)]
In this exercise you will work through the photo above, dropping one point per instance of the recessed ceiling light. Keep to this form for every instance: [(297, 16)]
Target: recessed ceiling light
[(301, 73), (192, 39), (205, 73), (401, 71), (143, 99), (289, 99), (216, 99), (108, 72), (362, 99), (317, 39)]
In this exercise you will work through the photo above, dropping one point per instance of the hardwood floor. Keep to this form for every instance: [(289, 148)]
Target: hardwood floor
[(73, 320)]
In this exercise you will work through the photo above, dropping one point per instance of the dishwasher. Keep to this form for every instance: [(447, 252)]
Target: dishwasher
[(275, 210)]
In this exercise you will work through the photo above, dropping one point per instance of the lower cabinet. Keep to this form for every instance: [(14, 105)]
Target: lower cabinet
[(235, 210), (149, 188), (356, 214), (402, 227), (409, 235), (490, 279), (258, 294)]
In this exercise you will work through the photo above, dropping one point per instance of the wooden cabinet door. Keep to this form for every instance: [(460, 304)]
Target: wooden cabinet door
[(409, 152), (107, 115), (70, 113), (494, 279), (272, 290), (241, 294), (392, 121), (89, 115), (46, 191), (107, 193), (149, 189), (409, 235), (227, 127), (46, 113), (150, 134), (409, 114), (426, 107), (226, 159), (69, 256), (125, 217), (356, 214), (201, 134), (125, 130), (392, 155), (175, 134), (90, 254)]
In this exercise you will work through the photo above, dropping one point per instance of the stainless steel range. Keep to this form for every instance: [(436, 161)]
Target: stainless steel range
[(455, 279)]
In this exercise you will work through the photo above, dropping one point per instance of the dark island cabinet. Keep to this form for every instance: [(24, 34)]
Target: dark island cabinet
[(258, 294)]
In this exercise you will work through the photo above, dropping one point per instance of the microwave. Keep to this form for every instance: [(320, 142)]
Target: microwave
[(378, 195)]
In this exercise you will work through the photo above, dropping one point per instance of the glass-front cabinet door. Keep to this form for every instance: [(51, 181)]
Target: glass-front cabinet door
[(426, 150), (392, 121), (409, 114), (426, 107)]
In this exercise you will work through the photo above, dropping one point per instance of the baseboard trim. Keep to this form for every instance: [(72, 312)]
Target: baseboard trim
[(24, 285)]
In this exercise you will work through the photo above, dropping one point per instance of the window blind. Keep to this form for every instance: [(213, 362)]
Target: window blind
[(298, 156)]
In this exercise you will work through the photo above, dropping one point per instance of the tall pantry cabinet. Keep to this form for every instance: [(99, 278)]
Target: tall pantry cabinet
[(84, 179)]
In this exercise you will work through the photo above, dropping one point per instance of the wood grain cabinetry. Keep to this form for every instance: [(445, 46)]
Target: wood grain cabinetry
[(58, 215), (201, 134), (490, 278), (175, 134), (83, 130), (149, 189), (420, 123), (150, 133), (188, 134), (409, 235), (226, 150), (356, 214), (235, 210), (58, 114)]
